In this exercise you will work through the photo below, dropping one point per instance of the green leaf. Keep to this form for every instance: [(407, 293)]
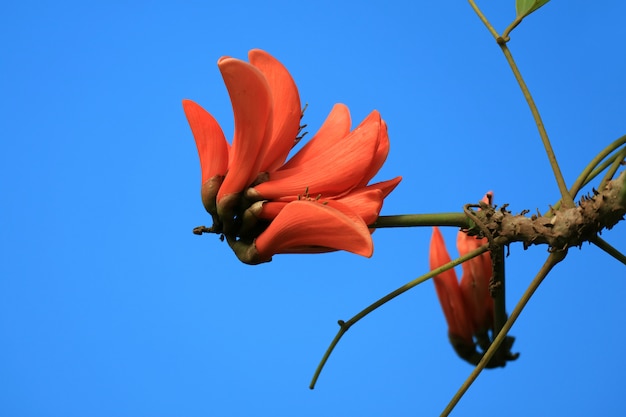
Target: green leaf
[(526, 7)]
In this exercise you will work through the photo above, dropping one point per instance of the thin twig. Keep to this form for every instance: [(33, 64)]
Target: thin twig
[(605, 246), (619, 158), (553, 259), (345, 325), (585, 176), (567, 199)]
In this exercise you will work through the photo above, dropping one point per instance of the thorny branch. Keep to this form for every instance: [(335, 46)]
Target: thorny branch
[(560, 228)]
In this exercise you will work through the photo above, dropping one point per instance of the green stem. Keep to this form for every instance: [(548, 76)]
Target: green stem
[(552, 260), (413, 220), (593, 169), (482, 17), (605, 246), (585, 176), (567, 199), (513, 25), (612, 169), (604, 165), (344, 326)]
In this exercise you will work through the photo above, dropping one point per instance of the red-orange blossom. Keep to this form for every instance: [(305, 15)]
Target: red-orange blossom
[(467, 305), (317, 201)]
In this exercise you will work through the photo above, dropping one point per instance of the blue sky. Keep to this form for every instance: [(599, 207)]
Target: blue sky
[(110, 306)]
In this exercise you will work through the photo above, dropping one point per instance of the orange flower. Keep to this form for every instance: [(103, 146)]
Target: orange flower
[(457, 313), (468, 305), (475, 281), (213, 151), (304, 226), (365, 202), (264, 205), (337, 169), (266, 106)]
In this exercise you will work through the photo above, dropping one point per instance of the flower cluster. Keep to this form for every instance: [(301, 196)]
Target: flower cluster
[(317, 201), (467, 305)]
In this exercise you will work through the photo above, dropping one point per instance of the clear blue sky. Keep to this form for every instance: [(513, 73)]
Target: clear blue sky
[(110, 306)]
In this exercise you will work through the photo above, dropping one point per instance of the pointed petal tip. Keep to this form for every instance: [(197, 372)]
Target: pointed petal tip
[(210, 141)]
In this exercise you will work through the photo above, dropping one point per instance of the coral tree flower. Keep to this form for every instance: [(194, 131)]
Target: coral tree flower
[(467, 306), (475, 282), (455, 309), (263, 204)]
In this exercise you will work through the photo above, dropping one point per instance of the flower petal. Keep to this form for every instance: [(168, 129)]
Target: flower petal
[(210, 140), (286, 108), (385, 186), (381, 154), (335, 128), (271, 209), (333, 171), (252, 108), (475, 280), (306, 223), (449, 292), (366, 203)]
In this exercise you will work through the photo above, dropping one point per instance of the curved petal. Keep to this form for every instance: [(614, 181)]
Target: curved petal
[(381, 154), (449, 292), (271, 209), (345, 209), (385, 186), (210, 140), (252, 108), (307, 223), (335, 128), (286, 108), (336, 170), (366, 203)]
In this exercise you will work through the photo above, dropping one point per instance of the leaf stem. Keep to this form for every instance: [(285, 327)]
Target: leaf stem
[(553, 259), (513, 25), (344, 326), (568, 201)]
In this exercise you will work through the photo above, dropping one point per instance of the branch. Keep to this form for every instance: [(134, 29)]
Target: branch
[(562, 228), (552, 260), (345, 325)]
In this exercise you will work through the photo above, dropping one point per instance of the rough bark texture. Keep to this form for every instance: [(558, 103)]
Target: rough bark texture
[(560, 228)]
